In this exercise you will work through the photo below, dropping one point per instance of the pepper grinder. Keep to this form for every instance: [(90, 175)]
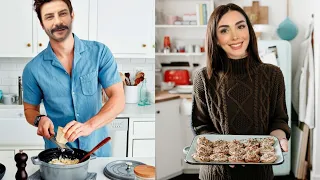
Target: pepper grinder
[(21, 163)]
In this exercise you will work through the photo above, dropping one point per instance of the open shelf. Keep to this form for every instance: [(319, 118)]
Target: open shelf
[(180, 54), (181, 26)]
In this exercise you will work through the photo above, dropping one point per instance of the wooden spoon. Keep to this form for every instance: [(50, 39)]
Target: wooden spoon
[(95, 148)]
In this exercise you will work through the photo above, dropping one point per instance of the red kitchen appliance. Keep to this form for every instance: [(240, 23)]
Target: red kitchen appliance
[(178, 76)]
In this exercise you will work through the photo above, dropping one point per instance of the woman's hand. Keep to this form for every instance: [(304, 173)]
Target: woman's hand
[(281, 135), (284, 144)]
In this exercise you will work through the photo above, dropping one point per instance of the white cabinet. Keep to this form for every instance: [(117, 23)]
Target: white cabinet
[(80, 25), (169, 154), (143, 148), (126, 26), (7, 159), (16, 28), (141, 141)]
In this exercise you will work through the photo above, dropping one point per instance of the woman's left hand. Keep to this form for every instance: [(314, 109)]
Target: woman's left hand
[(74, 129), (284, 144), (281, 135)]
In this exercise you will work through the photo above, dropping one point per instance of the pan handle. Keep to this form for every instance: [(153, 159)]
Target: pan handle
[(186, 150), (35, 160)]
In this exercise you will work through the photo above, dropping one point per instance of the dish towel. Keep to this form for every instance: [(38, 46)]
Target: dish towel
[(303, 85)]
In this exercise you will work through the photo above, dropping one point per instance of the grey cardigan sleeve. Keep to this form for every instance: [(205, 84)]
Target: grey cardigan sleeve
[(200, 119)]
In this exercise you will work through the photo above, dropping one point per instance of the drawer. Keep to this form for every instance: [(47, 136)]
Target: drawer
[(143, 129), (18, 132), (7, 159), (143, 148)]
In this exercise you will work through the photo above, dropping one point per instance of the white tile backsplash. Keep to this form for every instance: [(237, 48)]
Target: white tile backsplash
[(11, 68)]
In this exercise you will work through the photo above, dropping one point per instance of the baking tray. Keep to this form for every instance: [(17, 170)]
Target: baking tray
[(212, 137)]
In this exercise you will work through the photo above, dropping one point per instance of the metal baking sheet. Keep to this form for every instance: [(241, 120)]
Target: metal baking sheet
[(212, 137)]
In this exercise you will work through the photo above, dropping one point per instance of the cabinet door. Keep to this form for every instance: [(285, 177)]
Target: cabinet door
[(16, 28), (168, 140), (7, 159), (80, 25), (143, 148), (125, 26)]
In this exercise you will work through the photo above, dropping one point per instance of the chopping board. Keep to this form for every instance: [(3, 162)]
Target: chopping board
[(257, 14)]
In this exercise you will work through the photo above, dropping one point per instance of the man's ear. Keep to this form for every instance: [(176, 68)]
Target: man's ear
[(72, 15)]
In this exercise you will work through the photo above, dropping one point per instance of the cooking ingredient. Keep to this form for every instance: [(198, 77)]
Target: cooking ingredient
[(60, 136), (64, 161)]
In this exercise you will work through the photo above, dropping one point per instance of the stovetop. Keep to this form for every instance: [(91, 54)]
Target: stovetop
[(36, 176)]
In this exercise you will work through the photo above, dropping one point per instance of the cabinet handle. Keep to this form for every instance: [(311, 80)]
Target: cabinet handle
[(153, 46), (144, 45), (40, 44), (158, 112), (29, 45)]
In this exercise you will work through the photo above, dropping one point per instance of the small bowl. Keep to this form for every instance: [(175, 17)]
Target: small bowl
[(2, 170), (167, 85)]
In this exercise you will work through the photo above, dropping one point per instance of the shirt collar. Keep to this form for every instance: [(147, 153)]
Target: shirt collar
[(79, 47)]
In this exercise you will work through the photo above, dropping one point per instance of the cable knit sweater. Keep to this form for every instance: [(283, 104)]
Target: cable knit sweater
[(239, 104)]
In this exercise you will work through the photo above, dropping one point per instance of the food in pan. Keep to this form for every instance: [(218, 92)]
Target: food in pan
[(200, 158), (204, 141), (269, 157), (64, 161), (252, 150), (219, 157), (237, 151), (236, 158), (252, 142), (251, 156), (266, 149), (267, 142), (235, 143)]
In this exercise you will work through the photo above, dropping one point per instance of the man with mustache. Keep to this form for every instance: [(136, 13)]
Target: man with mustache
[(68, 77)]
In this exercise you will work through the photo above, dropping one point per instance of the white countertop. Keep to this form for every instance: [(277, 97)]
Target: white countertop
[(130, 110), (95, 165)]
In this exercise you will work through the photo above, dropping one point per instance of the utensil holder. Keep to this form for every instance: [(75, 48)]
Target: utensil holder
[(131, 94)]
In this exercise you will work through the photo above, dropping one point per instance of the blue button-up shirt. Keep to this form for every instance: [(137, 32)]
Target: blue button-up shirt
[(76, 97)]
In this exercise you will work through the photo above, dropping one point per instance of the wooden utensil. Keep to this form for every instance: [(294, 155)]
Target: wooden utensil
[(95, 148)]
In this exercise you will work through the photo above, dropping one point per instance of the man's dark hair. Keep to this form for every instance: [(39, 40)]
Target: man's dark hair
[(39, 3)]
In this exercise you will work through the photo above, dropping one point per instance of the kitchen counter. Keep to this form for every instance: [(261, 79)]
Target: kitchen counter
[(95, 165), (162, 96), (130, 110)]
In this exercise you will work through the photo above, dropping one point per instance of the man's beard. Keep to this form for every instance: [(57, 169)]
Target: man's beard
[(50, 32)]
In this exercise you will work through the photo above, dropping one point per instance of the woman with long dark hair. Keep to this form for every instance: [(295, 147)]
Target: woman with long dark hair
[(236, 93)]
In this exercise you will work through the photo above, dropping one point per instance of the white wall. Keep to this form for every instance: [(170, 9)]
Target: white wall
[(11, 68)]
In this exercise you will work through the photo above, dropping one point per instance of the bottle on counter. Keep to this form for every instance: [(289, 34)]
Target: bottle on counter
[(144, 100), (21, 163)]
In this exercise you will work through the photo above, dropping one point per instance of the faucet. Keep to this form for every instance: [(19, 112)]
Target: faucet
[(20, 91)]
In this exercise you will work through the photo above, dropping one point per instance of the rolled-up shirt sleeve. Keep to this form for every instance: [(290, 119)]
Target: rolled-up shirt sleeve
[(32, 93), (108, 69)]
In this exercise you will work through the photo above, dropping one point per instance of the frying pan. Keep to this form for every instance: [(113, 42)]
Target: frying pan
[(2, 170)]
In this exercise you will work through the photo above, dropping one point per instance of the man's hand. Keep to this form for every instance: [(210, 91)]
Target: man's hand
[(45, 127), (74, 129)]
